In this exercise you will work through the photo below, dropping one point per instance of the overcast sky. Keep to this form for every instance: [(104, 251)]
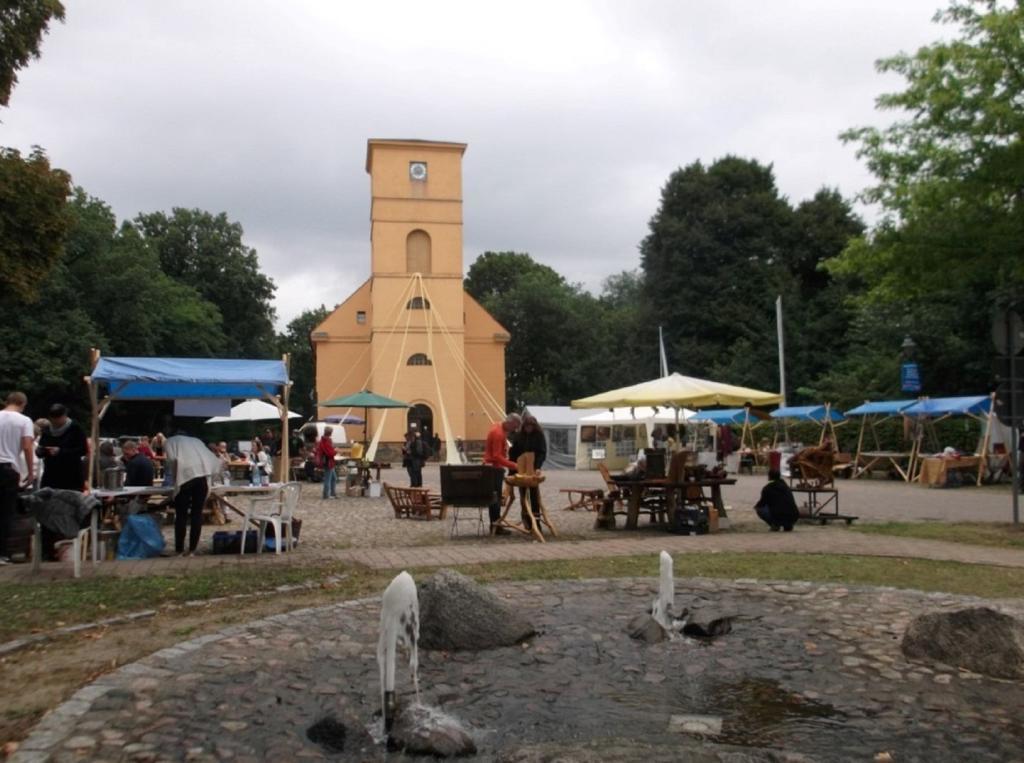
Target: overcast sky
[(575, 113)]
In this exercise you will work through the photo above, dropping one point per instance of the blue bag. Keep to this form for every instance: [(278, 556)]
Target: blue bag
[(140, 538)]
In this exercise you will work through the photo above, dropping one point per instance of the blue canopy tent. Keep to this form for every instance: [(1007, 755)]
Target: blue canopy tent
[(822, 415), (745, 418), (929, 411), (114, 379), (872, 414)]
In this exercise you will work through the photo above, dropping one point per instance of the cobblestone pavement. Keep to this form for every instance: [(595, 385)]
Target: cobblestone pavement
[(810, 669), (365, 531)]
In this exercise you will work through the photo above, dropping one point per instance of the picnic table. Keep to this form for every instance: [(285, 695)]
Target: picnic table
[(709, 493)]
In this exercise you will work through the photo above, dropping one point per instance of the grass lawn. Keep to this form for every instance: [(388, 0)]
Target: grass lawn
[(999, 534), (32, 607)]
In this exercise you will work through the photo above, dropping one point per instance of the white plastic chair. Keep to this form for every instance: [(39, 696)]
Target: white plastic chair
[(79, 544), (277, 510)]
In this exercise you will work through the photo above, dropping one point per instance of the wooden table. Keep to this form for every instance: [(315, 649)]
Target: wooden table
[(638, 488), (935, 471), (118, 495), (888, 458), (532, 521)]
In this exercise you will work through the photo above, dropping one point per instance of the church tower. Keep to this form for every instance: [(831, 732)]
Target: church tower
[(411, 332)]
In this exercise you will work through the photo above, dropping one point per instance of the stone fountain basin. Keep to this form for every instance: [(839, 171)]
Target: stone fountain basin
[(812, 670)]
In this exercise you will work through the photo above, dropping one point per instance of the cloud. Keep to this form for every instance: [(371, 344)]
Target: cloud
[(575, 113)]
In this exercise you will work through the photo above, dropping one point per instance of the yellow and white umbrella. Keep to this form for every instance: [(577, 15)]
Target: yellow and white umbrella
[(678, 391)]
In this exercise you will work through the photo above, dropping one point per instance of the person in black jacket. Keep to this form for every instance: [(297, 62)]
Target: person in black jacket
[(530, 439), (777, 507), (138, 468), (62, 446)]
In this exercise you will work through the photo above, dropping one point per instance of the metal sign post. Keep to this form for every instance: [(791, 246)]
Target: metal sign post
[(1008, 336)]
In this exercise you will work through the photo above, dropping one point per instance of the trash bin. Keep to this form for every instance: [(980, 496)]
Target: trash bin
[(374, 489)]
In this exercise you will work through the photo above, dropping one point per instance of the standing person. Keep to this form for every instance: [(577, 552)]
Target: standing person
[(777, 507), (496, 454), (188, 467), (415, 453), (16, 431), (435, 445), (324, 458), (530, 439), (62, 447)]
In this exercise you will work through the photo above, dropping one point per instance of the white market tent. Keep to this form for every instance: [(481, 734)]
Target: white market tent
[(620, 433), (252, 410), (559, 424)]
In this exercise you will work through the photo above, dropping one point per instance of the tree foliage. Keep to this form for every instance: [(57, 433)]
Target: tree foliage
[(22, 26), (722, 246), (33, 219), (557, 328), (206, 252), (950, 170), (296, 342)]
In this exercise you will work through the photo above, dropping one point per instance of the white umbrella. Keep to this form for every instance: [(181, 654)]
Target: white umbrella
[(252, 410)]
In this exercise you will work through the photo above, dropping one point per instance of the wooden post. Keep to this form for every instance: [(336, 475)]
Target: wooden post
[(94, 429), (860, 446), (286, 460), (987, 439)]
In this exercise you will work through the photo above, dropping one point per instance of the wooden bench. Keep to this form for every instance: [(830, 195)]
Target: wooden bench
[(414, 502), (586, 498)]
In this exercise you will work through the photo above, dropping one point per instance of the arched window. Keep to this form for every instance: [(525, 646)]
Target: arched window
[(418, 303), (417, 252), (419, 359)]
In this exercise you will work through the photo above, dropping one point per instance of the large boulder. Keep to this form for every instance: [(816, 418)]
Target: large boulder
[(978, 639), (458, 613), (423, 730)]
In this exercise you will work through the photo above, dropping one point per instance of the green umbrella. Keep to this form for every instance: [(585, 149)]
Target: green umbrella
[(363, 399)]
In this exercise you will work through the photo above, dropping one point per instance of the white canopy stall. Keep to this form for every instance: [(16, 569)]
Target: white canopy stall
[(559, 424), (619, 433)]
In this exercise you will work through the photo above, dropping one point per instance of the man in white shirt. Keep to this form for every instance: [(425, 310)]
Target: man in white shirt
[(16, 440)]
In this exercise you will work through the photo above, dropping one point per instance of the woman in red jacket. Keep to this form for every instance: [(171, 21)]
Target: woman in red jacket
[(324, 458)]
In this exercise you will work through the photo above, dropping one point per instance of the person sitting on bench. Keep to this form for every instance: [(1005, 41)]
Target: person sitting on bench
[(777, 507)]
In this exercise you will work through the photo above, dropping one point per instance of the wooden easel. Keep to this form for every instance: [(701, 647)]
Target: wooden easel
[(526, 477)]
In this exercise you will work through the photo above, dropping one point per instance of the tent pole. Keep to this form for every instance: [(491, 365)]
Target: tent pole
[(860, 444)]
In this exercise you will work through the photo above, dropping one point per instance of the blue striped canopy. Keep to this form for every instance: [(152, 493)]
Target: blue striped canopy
[(187, 378), (941, 406), (881, 407), (815, 413)]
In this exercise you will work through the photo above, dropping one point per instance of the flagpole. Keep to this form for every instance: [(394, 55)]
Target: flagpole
[(662, 357), (782, 348)]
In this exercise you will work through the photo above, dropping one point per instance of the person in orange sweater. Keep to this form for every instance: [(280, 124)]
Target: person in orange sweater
[(496, 454)]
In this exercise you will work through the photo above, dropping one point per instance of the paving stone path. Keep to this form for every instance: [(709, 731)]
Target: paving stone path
[(809, 669), (364, 531)]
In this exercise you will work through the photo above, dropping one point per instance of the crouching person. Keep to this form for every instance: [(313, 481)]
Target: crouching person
[(777, 507)]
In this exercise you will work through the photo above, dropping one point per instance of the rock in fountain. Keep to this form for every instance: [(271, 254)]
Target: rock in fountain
[(979, 639), (460, 614)]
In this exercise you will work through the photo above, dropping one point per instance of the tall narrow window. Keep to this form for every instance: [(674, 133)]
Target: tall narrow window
[(419, 359), (417, 252), (418, 303)]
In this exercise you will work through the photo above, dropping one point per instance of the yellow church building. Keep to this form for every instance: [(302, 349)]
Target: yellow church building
[(411, 332)]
